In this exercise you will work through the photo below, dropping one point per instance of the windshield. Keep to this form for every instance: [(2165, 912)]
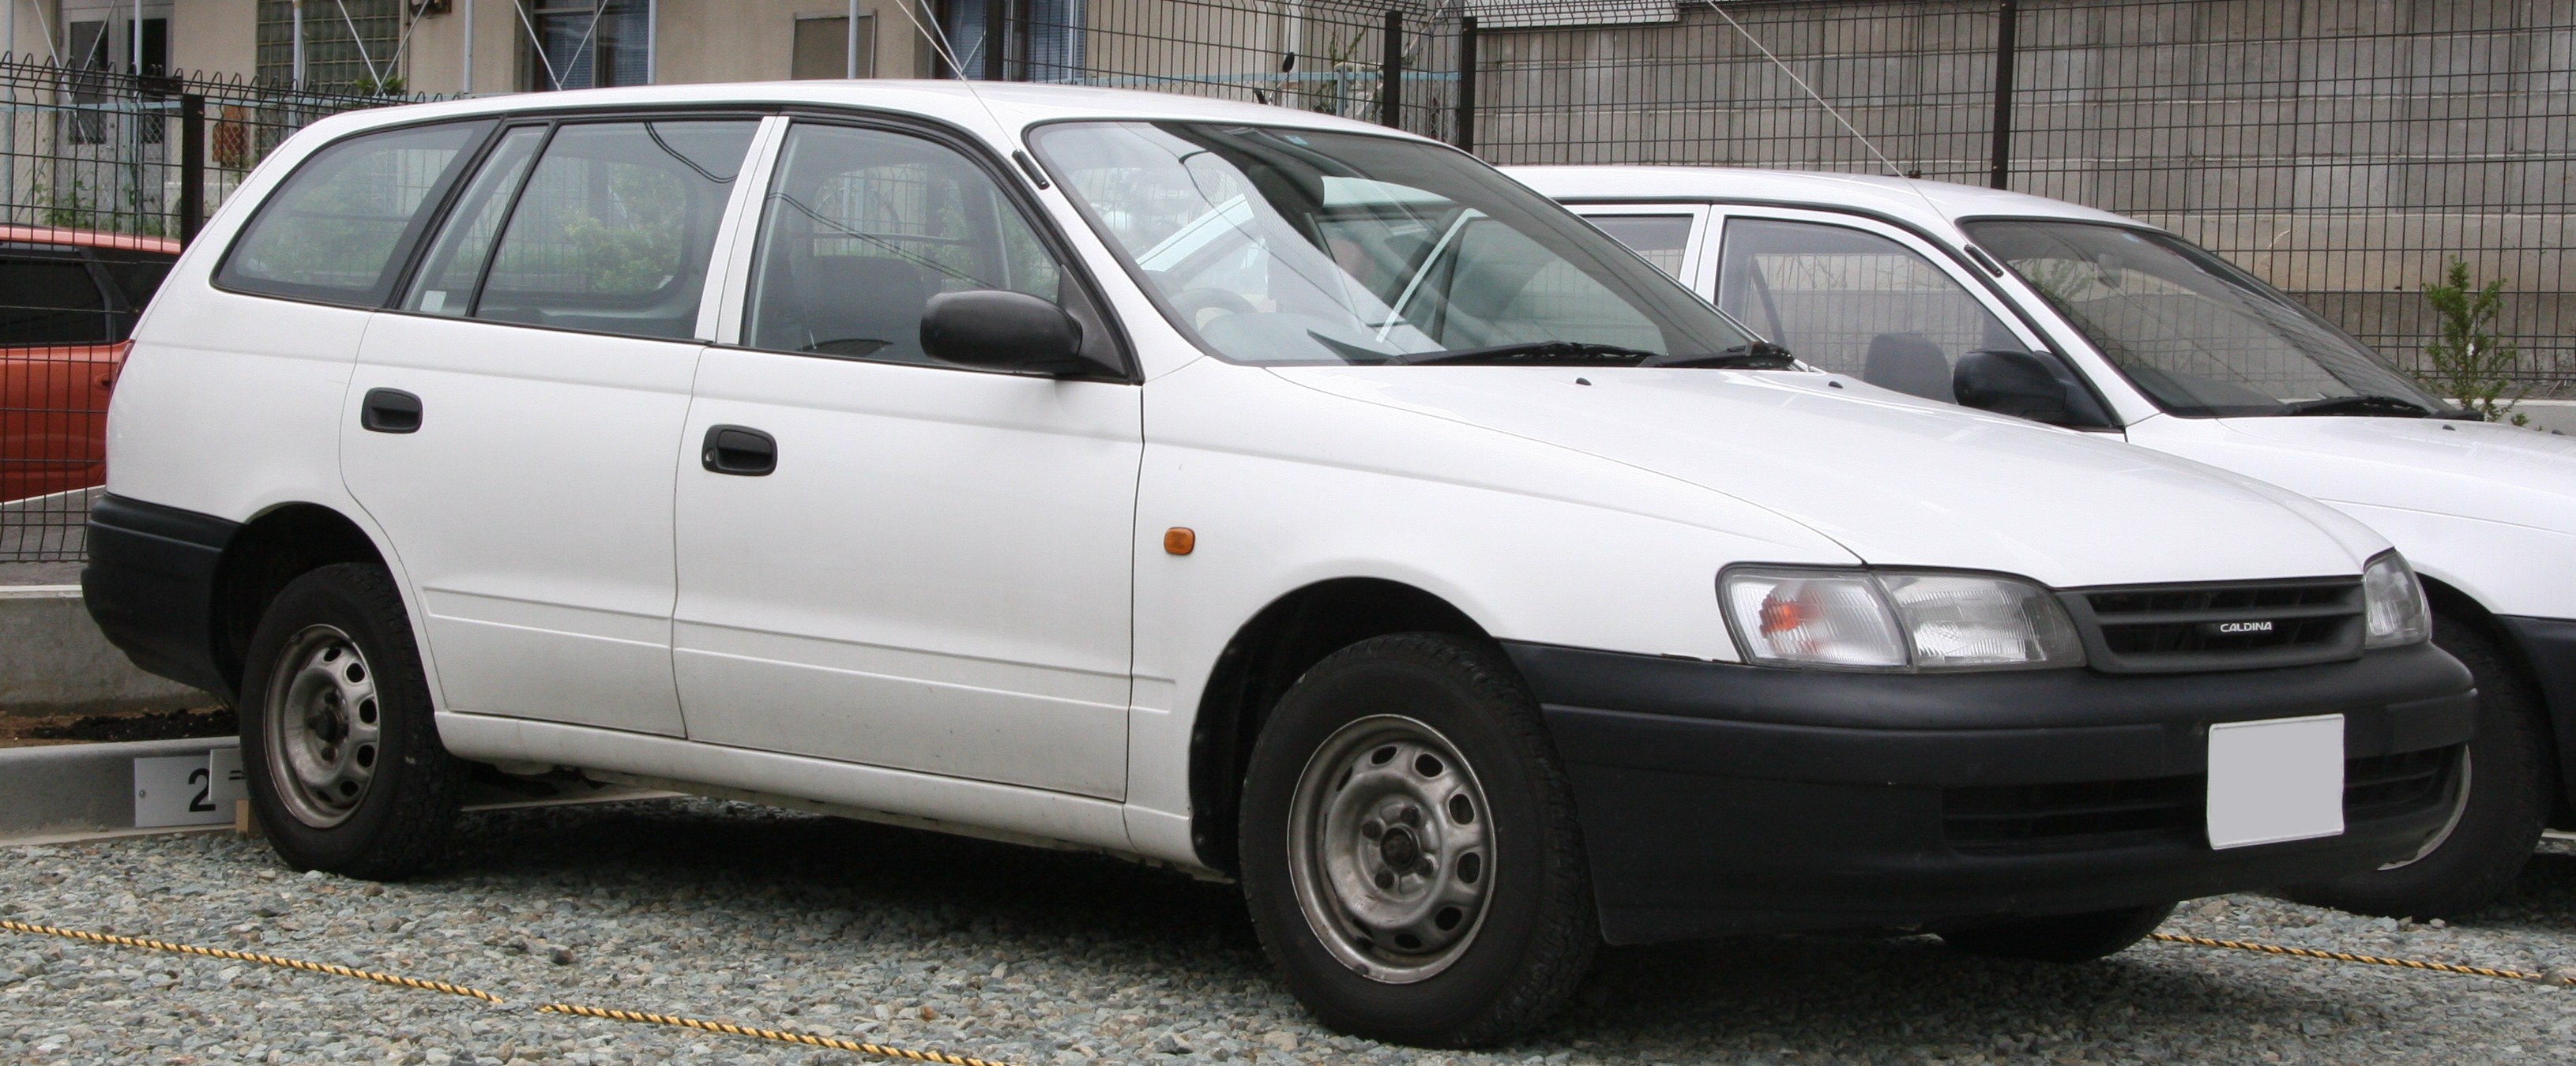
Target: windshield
[(1277, 246), (2199, 336)]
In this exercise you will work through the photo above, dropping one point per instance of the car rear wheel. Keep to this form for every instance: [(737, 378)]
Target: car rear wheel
[(346, 771), (1410, 855), (2506, 779)]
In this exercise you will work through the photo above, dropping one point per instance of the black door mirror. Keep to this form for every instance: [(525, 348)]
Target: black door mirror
[(994, 329), (2011, 383)]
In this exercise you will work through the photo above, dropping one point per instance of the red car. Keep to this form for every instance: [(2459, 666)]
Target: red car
[(68, 299)]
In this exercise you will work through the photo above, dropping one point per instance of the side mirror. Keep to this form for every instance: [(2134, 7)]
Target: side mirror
[(995, 329), (2010, 383)]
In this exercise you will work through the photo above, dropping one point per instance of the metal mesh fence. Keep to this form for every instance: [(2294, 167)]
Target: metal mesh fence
[(2343, 152), (103, 174)]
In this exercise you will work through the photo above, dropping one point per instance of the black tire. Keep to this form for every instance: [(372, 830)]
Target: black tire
[(2511, 775), (2061, 937), (1535, 930), (396, 822)]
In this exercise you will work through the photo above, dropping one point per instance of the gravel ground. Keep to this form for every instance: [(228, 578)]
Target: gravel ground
[(792, 921)]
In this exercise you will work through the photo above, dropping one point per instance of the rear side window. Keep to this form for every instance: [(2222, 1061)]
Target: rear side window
[(50, 301), (335, 230), (609, 233)]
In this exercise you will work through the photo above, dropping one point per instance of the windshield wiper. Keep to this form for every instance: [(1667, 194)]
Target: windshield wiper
[(1756, 356), (2353, 405), (1545, 353), (1759, 355)]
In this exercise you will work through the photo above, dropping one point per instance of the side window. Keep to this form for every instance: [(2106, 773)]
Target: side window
[(610, 232), (334, 231), (1854, 303), (1662, 239), (454, 266), (50, 301), (862, 227)]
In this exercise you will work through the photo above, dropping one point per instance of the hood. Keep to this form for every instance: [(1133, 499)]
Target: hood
[(1896, 480), (2480, 470)]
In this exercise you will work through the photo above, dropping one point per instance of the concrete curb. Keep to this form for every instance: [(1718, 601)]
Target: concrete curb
[(81, 788), (53, 660), (87, 791)]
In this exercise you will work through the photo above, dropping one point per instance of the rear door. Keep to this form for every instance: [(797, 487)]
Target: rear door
[(514, 425)]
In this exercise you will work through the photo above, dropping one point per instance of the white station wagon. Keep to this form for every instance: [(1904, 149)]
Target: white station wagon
[(1243, 489), (2081, 318)]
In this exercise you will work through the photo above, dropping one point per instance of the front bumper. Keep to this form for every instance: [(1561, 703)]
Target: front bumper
[(2548, 647), (1716, 797)]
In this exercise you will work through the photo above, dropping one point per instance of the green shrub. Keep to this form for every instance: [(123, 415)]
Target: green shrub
[(2470, 363)]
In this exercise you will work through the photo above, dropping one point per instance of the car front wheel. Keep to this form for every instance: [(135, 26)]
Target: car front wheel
[(1410, 854), (2506, 779)]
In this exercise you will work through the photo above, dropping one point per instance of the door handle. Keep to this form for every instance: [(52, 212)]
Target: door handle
[(739, 450), (389, 411)]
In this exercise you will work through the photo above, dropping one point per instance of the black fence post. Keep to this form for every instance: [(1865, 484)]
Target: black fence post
[(2001, 167), (1467, 84), (1390, 77), (997, 36), (192, 165)]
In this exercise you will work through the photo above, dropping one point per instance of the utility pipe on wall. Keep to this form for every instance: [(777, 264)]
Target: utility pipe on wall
[(850, 51), (297, 74), (468, 87)]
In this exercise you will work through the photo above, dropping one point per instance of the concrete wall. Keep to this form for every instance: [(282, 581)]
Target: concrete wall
[(53, 660)]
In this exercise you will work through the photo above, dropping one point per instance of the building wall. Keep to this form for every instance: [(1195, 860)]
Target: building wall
[(755, 40), (438, 49), (215, 36)]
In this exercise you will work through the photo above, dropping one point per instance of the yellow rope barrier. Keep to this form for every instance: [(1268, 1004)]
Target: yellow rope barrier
[(2341, 956), (778, 1035)]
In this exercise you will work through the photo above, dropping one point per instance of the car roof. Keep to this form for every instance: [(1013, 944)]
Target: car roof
[(87, 238), (1909, 199), (975, 105)]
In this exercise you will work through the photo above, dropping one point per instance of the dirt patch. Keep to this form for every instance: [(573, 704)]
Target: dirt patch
[(179, 724)]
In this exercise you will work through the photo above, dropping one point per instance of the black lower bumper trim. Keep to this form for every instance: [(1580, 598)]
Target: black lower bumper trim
[(150, 586), (1716, 797)]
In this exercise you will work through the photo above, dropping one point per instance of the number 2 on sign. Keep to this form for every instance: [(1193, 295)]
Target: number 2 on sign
[(199, 802)]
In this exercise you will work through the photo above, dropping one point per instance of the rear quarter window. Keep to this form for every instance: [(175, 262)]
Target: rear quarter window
[(336, 229)]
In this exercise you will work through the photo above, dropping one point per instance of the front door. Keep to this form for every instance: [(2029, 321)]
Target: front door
[(515, 426), (887, 560)]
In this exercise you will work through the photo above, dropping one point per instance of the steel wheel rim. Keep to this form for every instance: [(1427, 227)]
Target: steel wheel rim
[(325, 727), (2459, 808), (1391, 849)]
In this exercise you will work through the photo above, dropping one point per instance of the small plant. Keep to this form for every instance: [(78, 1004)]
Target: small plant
[(2470, 363)]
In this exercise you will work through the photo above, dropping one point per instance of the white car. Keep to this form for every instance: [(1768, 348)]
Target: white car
[(2081, 318), (1265, 494)]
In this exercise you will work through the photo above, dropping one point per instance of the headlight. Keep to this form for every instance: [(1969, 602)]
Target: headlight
[(2394, 603), (1896, 620)]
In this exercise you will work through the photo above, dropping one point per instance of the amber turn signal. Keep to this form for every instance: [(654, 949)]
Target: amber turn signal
[(1178, 540)]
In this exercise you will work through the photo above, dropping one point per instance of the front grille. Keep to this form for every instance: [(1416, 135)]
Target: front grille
[(2237, 626), (2094, 815), (2007, 819)]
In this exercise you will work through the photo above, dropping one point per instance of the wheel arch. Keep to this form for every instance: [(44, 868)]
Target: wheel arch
[(1267, 655), (2449, 601), (274, 548)]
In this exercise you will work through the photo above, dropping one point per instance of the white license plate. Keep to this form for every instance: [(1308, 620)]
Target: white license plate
[(2275, 780)]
